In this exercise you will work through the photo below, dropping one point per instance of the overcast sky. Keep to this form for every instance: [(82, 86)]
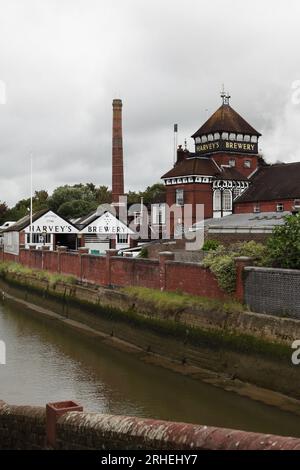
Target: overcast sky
[(63, 61)]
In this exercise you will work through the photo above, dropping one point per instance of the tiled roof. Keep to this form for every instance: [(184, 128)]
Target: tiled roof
[(273, 182), (25, 221), (193, 166), (226, 119), (204, 166), (230, 173)]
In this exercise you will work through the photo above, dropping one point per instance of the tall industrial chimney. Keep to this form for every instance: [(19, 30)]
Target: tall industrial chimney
[(117, 152)]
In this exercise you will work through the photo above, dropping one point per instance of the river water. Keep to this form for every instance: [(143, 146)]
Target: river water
[(46, 362)]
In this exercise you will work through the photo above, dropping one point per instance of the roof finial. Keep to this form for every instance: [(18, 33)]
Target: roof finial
[(225, 96)]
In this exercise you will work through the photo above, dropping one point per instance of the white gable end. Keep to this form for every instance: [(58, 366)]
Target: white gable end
[(51, 223), (107, 224)]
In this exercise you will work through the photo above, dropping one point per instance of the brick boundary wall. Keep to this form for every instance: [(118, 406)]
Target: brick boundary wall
[(272, 291), (118, 271), (25, 427)]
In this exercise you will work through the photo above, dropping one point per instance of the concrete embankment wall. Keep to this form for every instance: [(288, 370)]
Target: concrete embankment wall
[(25, 427)]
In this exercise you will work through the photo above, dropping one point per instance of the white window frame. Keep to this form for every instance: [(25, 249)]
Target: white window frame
[(179, 196)]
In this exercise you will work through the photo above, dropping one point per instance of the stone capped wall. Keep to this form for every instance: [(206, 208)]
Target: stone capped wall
[(25, 427)]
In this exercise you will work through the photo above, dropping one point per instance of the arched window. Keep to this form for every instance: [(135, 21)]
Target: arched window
[(227, 200), (217, 200)]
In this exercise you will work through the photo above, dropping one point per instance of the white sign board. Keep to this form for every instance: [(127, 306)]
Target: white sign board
[(51, 223), (106, 224), (11, 242)]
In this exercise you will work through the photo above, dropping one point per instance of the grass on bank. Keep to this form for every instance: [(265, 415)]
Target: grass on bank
[(11, 268), (170, 301)]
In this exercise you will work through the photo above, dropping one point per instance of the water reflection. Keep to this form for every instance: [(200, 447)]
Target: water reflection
[(47, 362)]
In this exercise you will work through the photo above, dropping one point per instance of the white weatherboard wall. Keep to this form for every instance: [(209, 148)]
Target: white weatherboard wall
[(105, 225)]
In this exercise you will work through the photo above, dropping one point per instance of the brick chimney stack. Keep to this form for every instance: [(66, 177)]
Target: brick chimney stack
[(117, 152)]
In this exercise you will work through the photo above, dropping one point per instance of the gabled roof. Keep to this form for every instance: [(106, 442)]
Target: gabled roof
[(105, 223), (273, 182), (193, 166), (226, 119), (25, 221), (203, 166), (230, 173)]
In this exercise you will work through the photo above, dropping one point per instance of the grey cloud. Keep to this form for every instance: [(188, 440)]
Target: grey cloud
[(64, 61)]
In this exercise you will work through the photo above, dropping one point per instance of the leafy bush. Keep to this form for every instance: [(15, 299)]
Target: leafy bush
[(222, 265), (210, 245), (284, 244)]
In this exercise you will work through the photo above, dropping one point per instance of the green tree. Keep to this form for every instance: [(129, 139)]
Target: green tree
[(77, 208), (3, 211), (103, 195), (284, 244)]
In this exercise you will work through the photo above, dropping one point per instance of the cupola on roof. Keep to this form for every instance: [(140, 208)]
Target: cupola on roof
[(226, 119)]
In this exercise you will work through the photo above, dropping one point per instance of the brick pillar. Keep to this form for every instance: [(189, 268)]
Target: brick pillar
[(60, 249), (53, 412), (164, 256), (132, 242), (240, 263), (117, 152), (109, 254), (81, 251)]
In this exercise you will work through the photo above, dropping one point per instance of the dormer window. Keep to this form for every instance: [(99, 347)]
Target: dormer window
[(225, 135), (247, 163), (232, 136), (231, 162)]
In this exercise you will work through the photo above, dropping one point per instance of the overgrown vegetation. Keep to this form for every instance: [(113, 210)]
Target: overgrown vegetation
[(210, 245), (284, 244), (10, 268), (221, 261), (143, 253), (165, 301), (282, 250)]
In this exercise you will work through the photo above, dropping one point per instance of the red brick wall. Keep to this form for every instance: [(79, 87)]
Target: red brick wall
[(51, 261), (192, 279), (223, 159), (146, 273), (24, 257), (93, 269), (9, 257), (70, 263), (194, 193), (36, 259), (265, 206)]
